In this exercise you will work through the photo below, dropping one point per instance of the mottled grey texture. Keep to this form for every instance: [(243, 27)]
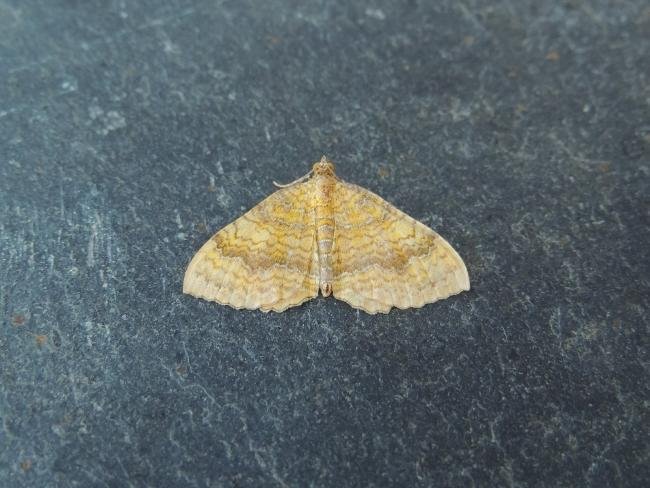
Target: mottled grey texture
[(130, 131)]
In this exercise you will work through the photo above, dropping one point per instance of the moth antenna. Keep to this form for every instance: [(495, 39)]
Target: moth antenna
[(295, 182)]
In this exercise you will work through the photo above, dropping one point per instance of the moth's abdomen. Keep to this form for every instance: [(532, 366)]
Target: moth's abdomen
[(325, 231), (325, 236)]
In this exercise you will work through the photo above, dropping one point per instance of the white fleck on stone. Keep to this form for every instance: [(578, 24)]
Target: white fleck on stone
[(169, 47), (94, 112), (223, 198), (69, 86), (110, 121), (375, 13), (90, 256), (218, 74), (114, 121)]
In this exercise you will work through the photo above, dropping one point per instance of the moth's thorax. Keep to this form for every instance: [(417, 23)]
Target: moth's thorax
[(325, 185)]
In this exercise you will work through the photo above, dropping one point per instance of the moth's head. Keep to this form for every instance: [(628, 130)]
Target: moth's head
[(323, 167)]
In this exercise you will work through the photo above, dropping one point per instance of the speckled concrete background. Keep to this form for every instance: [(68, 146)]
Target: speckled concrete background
[(130, 131)]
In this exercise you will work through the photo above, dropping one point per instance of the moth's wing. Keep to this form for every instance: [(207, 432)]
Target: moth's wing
[(266, 259), (383, 258)]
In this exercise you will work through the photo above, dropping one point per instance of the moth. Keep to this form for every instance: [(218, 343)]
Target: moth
[(320, 233)]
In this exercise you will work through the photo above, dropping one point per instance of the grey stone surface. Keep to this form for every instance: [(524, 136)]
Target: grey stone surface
[(130, 131)]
